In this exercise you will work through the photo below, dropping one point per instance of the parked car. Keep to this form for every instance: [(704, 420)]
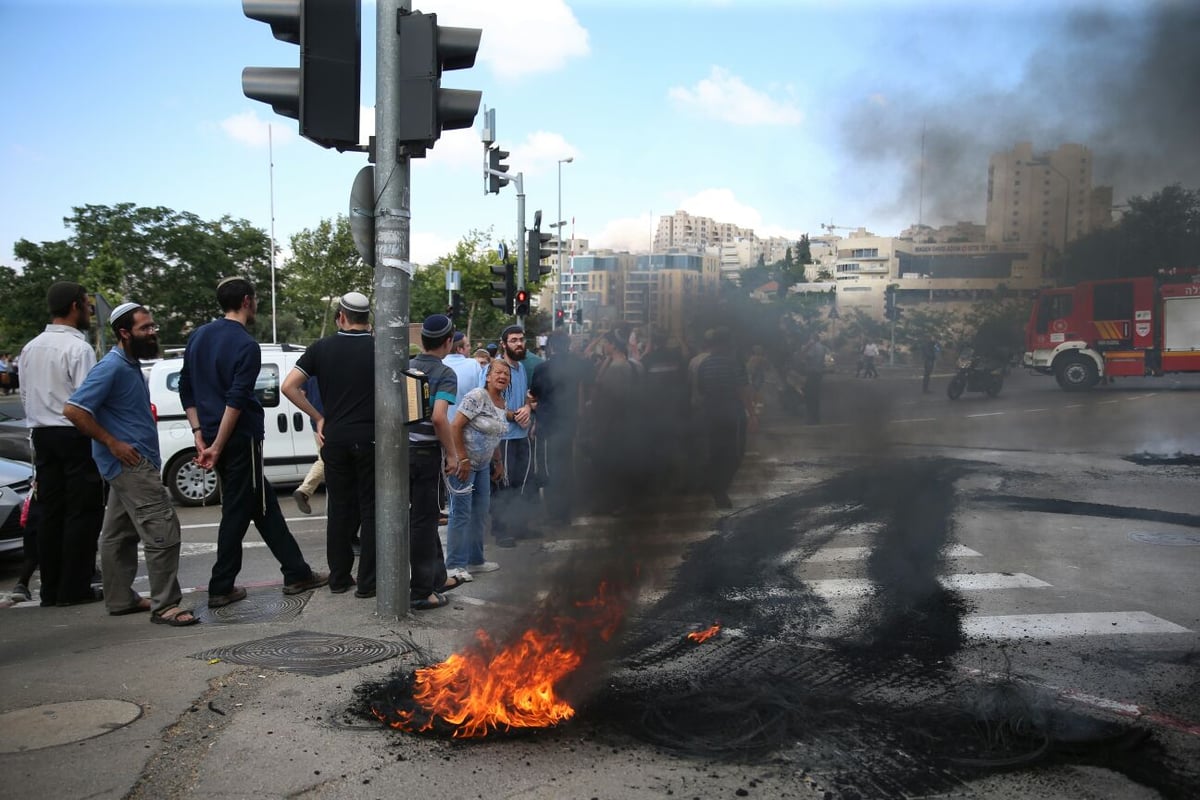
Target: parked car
[(16, 478), (14, 439), (288, 450)]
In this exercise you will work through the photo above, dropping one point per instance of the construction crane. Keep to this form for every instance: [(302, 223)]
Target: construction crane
[(831, 227)]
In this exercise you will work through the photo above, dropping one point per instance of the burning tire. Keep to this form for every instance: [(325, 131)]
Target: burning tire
[(1076, 373)]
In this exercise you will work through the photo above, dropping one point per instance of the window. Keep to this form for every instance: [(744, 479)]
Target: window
[(865, 252), (1113, 301), (1052, 307), (266, 388)]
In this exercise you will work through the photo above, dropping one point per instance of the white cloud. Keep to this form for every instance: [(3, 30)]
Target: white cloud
[(425, 247), (458, 149), (249, 129), (540, 153), (724, 96), (519, 39), (629, 233)]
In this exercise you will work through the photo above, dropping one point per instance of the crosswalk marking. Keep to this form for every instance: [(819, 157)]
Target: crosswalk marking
[(1046, 626), (832, 554), (832, 588)]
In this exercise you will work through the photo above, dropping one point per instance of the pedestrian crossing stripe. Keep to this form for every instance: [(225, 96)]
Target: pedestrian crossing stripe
[(832, 554), (1057, 626), (836, 588)]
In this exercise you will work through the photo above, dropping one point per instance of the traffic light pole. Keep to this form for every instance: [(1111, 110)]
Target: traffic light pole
[(392, 273), (519, 180)]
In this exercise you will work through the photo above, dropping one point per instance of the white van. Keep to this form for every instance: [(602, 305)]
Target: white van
[(289, 448)]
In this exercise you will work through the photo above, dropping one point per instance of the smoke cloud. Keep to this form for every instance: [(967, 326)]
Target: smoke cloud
[(1125, 84)]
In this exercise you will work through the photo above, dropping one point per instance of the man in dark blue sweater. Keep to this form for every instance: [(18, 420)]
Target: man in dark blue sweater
[(220, 366)]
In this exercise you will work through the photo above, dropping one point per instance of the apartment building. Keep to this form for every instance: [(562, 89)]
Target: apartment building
[(1044, 198), (682, 231)]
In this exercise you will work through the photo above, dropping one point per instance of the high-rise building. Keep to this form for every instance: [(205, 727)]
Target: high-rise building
[(1043, 198), (682, 231)]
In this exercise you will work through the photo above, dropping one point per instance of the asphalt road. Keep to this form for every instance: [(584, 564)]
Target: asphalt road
[(1068, 598)]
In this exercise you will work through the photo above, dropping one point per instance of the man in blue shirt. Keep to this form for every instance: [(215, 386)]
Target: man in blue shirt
[(513, 497), (220, 366), (112, 406)]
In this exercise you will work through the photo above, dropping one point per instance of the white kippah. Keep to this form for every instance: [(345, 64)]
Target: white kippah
[(121, 311)]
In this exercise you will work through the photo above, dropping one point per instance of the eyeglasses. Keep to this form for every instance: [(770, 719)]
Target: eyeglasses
[(151, 328)]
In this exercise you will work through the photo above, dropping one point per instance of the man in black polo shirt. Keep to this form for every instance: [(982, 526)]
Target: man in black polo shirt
[(344, 366)]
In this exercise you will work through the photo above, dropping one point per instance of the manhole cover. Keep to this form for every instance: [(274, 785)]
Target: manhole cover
[(267, 605), (1170, 539), (63, 723), (306, 652)]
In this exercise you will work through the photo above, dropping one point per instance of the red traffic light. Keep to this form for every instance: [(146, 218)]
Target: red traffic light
[(522, 296)]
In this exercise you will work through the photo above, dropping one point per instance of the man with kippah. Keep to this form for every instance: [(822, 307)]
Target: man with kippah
[(431, 452), (344, 367), (112, 407), (220, 367), (70, 491)]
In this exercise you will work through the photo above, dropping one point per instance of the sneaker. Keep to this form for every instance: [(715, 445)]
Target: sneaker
[(22, 591), (219, 600), (314, 581), (461, 574), (487, 566), (302, 501)]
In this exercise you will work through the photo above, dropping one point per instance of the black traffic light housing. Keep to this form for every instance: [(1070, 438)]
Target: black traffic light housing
[(323, 92), (426, 49), (890, 310), (579, 316), (521, 308), (560, 317), (506, 287), (458, 306), (496, 163), (536, 246)]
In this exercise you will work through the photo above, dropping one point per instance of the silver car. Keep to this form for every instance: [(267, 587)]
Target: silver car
[(16, 479)]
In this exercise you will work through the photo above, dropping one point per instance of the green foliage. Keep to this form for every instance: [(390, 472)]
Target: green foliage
[(324, 265), (1157, 232)]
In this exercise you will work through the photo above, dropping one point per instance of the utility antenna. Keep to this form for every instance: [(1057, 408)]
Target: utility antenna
[(921, 201), (271, 182)]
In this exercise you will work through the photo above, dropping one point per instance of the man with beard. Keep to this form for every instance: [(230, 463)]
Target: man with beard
[(112, 407), (511, 503), (70, 491), (220, 367)]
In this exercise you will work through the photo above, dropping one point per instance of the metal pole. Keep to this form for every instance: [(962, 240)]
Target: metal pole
[(271, 183), (519, 179), (392, 273), (558, 230)]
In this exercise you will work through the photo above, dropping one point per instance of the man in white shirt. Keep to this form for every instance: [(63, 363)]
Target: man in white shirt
[(70, 491)]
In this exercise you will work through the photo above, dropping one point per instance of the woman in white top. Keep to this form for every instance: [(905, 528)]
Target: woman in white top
[(477, 428)]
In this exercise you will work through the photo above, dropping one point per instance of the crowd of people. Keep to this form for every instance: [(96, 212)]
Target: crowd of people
[(500, 453)]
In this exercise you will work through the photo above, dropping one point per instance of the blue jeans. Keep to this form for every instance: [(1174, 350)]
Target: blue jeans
[(468, 513)]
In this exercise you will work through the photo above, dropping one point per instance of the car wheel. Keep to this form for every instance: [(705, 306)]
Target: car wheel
[(189, 484), (1076, 373)]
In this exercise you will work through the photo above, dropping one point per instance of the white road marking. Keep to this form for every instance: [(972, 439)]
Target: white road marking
[(861, 587), (922, 419), (1033, 410), (1074, 405), (988, 414), (1020, 626), (831, 554), (1107, 402), (206, 548)]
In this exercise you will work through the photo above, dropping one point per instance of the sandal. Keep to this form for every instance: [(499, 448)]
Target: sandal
[(180, 619), (425, 604), (452, 582), (142, 606)]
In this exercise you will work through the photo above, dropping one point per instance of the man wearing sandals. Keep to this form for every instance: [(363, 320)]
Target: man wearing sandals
[(112, 406)]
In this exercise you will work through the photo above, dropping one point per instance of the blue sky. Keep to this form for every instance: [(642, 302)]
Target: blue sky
[(776, 115)]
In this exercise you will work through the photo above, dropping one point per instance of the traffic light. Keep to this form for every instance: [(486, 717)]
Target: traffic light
[(507, 287), (496, 163), (458, 306), (522, 306), (323, 92), (536, 249), (889, 302), (560, 317), (426, 50), (579, 316)]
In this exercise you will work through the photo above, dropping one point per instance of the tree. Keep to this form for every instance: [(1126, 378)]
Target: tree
[(1157, 232), (324, 265)]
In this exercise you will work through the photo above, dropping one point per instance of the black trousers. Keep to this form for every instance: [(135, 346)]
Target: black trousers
[(70, 500), (350, 485), (554, 453), (513, 498), (427, 561), (726, 447), (246, 498)]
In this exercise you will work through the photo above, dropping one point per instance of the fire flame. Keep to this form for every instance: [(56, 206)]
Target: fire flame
[(490, 687), (699, 637)]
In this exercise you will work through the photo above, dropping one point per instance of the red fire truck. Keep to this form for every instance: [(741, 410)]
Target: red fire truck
[(1122, 327)]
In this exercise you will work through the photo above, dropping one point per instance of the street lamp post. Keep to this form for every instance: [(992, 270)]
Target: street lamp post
[(554, 296)]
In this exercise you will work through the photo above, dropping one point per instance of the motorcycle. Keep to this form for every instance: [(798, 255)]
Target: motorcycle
[(975, 373)]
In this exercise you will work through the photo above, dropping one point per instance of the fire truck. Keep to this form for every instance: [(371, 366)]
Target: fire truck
[(1124, 327)]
